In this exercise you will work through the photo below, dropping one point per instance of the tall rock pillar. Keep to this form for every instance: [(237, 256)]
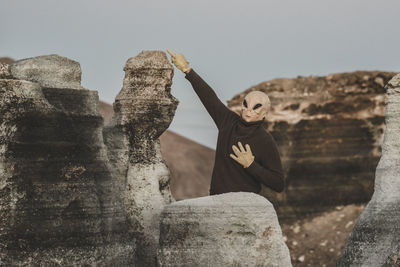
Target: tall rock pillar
[(143, 110), (375, 240)]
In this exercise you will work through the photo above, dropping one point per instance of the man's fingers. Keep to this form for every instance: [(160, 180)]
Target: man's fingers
[(234, 157), (236, 150), (248, 149), (170, 52), (241, 147)]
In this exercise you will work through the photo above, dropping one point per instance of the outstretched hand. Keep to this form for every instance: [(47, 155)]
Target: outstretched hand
[(179, 61), (243, 156)]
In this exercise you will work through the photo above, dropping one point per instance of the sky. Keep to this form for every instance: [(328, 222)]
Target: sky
[(231, 44)]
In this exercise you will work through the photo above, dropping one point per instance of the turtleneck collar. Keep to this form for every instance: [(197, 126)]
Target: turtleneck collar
[(244, 128), (245, 123)]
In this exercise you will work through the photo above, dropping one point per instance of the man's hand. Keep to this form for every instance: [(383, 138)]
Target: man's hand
[(243, 156), (179, 61)]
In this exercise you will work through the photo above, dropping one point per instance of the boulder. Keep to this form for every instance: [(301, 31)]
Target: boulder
[(376, 236), (232, 229)]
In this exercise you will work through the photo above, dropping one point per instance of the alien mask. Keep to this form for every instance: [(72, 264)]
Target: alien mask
[(255, 106)]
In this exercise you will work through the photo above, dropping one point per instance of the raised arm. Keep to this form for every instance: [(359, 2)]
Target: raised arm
[(217, 110)]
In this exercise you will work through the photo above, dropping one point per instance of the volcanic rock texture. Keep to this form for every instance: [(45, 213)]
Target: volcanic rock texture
[(329, 131)]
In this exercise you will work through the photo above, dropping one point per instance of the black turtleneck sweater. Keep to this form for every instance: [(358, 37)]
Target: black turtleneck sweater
[(228, 175)]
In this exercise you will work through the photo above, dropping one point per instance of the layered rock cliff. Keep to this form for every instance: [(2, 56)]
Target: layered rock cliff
[(329, 131), (58, 202)]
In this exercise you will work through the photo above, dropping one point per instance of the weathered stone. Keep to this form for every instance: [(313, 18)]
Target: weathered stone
[(5, 71), (232, 229), (143, 110), (58, 203), (376, 236), (51, 71), (329, 131)]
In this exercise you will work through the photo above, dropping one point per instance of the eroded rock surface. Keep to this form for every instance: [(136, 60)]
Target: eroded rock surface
[(58, 202), (329, 130), (51, 71), (376, 236), (143, 110), (232, 229)]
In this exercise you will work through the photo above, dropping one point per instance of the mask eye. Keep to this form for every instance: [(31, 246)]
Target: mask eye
[(256, 106), (245, 103)]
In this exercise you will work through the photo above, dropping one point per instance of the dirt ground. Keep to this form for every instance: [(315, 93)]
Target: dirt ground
[(318, 240)]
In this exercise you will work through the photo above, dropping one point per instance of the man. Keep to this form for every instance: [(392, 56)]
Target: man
[(258, 161)]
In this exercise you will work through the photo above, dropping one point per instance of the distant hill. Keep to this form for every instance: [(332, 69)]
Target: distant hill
[(6, 60)]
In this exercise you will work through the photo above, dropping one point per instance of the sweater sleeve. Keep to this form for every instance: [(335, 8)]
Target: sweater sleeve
[(217, 110), (269, 172)]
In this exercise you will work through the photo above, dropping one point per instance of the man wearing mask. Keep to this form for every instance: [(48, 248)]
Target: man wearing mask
[(246, 155)]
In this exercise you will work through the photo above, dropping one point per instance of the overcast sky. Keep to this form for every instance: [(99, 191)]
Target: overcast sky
[(231, 44)]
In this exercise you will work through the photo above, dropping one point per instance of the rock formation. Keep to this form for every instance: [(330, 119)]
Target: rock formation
[(232, 229), (143, 110), (375, 240), (58, 202), (329, 131)]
